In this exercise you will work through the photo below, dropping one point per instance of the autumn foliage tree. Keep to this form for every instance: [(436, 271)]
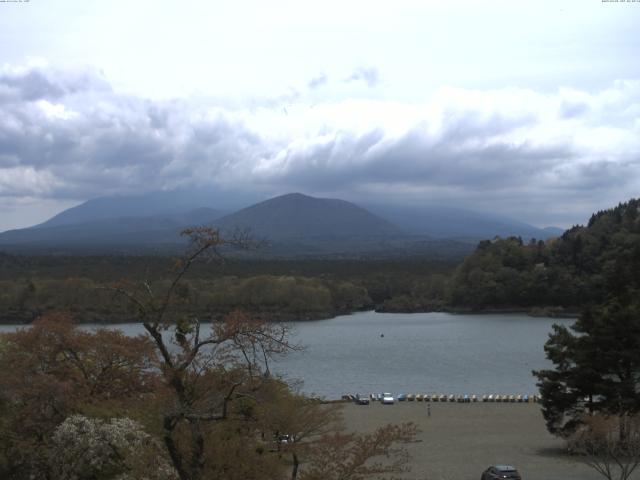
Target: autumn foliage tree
[(53, 370)]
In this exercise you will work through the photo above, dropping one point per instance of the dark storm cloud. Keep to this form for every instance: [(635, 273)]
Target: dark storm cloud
[(369, 75), (30, 86), (415, 159), (75, 138), (72, 138), (40, 83), (599, 174)]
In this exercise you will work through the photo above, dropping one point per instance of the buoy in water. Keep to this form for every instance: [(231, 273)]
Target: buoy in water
[(382, 335)]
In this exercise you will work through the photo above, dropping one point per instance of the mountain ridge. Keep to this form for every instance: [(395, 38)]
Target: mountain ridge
[(172, 202), (293, 224)]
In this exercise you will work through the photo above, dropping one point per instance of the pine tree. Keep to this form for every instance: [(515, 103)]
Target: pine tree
[(597, 366)]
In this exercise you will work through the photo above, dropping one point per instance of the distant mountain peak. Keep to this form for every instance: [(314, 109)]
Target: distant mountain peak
[(294, 196), (299, 197), (295, 215)]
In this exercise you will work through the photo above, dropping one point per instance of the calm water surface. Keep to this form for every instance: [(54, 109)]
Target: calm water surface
[(414, 353)]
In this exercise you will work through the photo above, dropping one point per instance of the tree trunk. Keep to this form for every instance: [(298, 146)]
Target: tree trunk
[(174, 453), (197, 456), (296, 464), (622, 429)]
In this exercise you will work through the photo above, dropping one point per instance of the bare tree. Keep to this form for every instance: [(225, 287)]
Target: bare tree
[(352, 456), (204, 373), (221, 377), (298, 424), (609, 444)]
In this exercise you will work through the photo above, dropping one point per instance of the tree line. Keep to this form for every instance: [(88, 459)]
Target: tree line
[(274, 290), (585, 266)]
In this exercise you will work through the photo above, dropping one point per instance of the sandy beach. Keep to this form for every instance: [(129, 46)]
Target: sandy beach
[(459, 441)]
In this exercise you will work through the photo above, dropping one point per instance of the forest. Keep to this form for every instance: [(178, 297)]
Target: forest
[(583, 267), (556, 277), (272, 289)]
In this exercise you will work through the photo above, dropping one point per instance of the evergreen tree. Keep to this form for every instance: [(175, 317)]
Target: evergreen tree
[(597, 366)]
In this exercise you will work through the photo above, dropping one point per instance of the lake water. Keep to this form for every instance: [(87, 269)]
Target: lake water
[(414, 353)]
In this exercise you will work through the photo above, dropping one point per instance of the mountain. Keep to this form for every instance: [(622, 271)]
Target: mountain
[(109, 233), (310, 226), (448, 222), (553, 231), (293, 225), (295, 216), (153, 204)]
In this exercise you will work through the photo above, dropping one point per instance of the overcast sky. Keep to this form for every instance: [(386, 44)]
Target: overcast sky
[(528, 109)]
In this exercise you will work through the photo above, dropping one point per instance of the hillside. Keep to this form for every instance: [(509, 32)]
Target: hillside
[(300, 216), (584, 266), (441, 221), (152, 204), (108, 233)]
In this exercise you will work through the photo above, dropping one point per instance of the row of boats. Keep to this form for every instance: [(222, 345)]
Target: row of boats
[(427, 397)]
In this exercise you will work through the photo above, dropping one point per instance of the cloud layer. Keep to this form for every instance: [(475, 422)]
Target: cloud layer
[(545, 157)]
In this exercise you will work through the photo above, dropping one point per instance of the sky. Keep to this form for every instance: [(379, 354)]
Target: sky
[(525, 109)]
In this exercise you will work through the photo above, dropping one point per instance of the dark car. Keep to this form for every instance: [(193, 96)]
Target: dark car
[(501, 472), (362, 399)]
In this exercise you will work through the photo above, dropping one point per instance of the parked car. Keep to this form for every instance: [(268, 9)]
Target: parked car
[(387, 399), (501, 472), (402, 397), (285, 439), (362, 399)]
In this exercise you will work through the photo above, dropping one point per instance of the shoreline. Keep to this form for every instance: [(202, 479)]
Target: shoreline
[(546, 312)]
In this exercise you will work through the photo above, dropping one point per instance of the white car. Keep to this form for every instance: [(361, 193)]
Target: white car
[(387, 399)]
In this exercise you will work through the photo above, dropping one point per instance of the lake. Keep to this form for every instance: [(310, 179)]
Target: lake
[(414, 353)]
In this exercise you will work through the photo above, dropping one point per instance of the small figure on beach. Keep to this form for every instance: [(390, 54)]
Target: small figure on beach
[(428, 409)]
